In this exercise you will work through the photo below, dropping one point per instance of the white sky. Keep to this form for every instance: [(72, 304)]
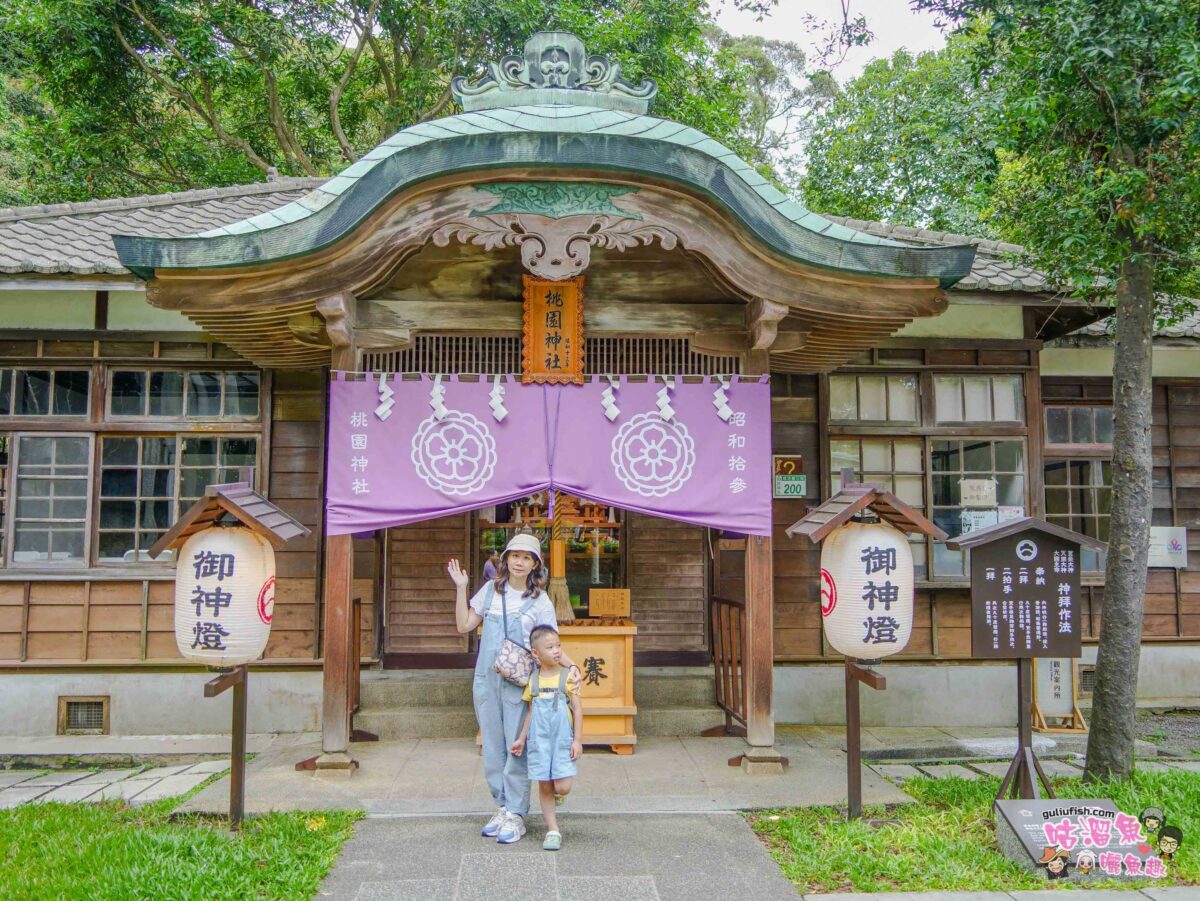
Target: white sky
[(893, 23)]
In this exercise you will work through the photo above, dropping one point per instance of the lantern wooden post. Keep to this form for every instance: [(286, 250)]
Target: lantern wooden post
[(854, 503), (272, 529), (236, 679), (856, 673)]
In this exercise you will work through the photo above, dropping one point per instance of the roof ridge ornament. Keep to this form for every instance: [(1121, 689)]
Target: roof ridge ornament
[(554, 70)]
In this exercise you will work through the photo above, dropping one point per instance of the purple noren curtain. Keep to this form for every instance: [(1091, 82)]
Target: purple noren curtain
[(401, 451)]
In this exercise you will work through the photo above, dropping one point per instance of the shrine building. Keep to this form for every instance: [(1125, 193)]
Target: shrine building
[(152, 346)]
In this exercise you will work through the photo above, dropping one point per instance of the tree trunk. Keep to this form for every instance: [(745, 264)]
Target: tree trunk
[(1114, 701)]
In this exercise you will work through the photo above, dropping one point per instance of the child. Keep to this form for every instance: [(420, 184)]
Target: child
[(555, 736)]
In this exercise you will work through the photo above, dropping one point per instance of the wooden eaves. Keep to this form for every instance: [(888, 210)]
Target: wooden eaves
[(853, 500), (1014, 526), (244, 504)]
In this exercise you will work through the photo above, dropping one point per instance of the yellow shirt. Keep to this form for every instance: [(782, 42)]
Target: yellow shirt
[(574, 683)]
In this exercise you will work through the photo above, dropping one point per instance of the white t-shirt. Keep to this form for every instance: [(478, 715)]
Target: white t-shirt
[(540, 612)]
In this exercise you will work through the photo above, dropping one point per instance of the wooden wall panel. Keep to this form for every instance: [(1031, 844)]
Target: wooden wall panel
[(295, 485), (420, 606), (667, 577)]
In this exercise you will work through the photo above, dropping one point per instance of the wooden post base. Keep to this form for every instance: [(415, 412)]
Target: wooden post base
[(235, 679), (760, 762), (1025, 772), (335, 762), (855, 674)]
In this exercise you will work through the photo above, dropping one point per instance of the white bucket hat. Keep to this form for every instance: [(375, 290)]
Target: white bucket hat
[(525, 542)]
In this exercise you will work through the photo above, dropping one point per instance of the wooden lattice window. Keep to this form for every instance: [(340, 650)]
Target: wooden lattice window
[(489, 355)]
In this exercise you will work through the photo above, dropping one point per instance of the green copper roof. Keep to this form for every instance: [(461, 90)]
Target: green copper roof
[(564, 136)]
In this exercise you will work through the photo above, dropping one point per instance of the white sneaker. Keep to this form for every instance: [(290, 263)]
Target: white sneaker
[(512, 830), (494, 824)]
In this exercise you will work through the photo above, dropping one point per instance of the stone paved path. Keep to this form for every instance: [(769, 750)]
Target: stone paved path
[(604, 858), (135, 786), (974, 769)]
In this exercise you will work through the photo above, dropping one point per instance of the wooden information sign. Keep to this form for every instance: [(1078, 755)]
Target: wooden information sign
[(608, 602), (552, 336), (1025, 595), (1025, 604)]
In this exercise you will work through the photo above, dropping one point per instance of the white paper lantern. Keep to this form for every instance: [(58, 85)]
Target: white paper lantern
[(224, 596), (867, 590)]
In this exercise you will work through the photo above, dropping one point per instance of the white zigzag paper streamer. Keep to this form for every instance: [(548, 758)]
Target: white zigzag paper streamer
[(436, 394), (384, 410), (497, 400), (665, 410), (608, 399), (720, 400)]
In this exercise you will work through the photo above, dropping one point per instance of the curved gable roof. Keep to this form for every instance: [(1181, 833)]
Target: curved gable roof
[(559, 136)]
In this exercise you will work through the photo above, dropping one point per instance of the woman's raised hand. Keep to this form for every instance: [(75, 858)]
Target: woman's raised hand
[(457, 575)]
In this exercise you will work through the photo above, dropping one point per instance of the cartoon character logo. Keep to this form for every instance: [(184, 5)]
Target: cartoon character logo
[(1152, 819), (1085, 862), (1169, 840), (1056, 861)]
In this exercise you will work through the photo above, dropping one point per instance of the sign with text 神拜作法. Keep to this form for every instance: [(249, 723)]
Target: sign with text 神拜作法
[(1025, 594)]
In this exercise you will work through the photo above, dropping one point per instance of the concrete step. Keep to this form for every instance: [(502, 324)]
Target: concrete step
[(657, 689), (418, 723), (677, 720), (420, 689)]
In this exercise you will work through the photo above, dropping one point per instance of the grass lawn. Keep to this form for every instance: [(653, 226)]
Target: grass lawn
[(107, 850), (947, 841)]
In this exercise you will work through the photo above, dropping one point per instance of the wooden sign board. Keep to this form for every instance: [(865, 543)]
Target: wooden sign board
[(1055, 696), (1025, 597), (608, 602), (552, 336)]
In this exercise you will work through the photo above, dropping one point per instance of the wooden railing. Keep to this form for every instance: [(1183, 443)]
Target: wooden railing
[(729, 655)]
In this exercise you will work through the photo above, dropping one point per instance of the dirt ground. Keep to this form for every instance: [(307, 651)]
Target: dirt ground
[(1176, 733)]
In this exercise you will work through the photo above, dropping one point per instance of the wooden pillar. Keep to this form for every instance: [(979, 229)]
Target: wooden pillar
[(759, 637), (760, 644), (338, 643)]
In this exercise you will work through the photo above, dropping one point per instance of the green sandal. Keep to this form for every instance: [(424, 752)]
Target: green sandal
[(553, 841)]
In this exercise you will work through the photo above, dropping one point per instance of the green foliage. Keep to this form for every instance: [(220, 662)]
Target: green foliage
[(907, 142), (109, 851), (1096, 104), (128, 96), (946, 841)]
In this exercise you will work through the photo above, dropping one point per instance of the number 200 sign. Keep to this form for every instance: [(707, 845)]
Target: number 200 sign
[(789, 480)]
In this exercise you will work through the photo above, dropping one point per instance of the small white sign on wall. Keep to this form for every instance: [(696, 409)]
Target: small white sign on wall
[(1168, 546), (977, 492)]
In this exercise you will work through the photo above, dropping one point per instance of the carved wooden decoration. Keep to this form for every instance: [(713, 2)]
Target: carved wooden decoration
[(552, 335)]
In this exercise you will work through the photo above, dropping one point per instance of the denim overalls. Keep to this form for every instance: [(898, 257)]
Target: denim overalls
[(550, 730), (500, 709)]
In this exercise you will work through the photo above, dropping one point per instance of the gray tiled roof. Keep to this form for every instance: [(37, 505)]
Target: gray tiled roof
[(992, 269), (1187, 327), (76, 238)]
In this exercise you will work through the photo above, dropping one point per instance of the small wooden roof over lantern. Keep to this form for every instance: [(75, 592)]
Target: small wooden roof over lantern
[(243, 503), (854, 499), (1009, 527)]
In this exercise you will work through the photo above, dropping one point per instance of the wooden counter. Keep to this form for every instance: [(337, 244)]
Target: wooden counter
[(603, 649)]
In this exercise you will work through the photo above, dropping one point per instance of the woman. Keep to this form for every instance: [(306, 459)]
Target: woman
[(510, 606)]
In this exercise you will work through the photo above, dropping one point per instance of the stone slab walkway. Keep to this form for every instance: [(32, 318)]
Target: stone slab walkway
[(604, 858), (664, 775), (135, 785), (898, 743), (1180, 893), (972, 769)]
